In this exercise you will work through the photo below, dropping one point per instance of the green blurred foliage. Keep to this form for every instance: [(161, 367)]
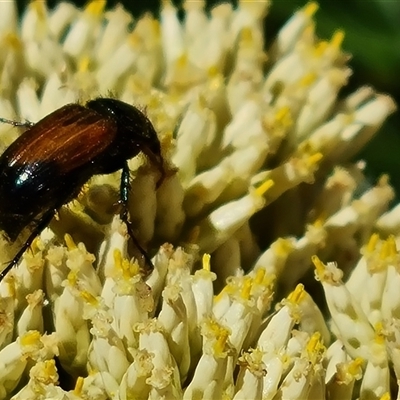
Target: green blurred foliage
[(373, 38)]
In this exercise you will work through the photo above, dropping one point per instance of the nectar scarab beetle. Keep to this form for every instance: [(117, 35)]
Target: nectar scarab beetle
[(47, 165)]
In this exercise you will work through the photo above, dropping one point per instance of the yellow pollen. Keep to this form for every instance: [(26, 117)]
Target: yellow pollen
[(314, 342), (385, 396), (308, 79), (78, 386), (310, 9), (72, 278), (314, 159), (95, 7), (318, 264), (30, 338), (246, 34), (155, 24), (354, 367), (337, 39), (306, 147), (84, 64), (379, 334), (39, 6), (219, 346), (260, 274), (297, 295), (89, 298), (182, 61), (320, 48), (69, 242), (206, 261), (384, 250), (117, 259), (246, 289), (392, 247), (282, 247), (128, 269), (213, 71), (284, 117), (315, 348), (36, 245), (50, 367), (373, 240), (264, 187), (319, 222)]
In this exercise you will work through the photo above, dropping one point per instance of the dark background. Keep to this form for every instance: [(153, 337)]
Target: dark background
[(372, 29)]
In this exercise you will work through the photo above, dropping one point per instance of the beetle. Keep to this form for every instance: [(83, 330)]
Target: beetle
[(47, 165)]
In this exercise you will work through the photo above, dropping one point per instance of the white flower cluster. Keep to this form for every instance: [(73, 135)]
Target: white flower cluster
[(259, 187)]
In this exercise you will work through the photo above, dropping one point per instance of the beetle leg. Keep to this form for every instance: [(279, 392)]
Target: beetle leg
[(25, 124), (124, 197), (43, 223)]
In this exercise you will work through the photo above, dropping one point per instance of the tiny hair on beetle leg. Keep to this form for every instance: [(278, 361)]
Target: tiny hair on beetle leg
[(47, 165)]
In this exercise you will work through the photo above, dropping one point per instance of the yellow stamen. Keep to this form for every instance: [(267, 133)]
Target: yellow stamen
[(39, 6), (260, 274), (311, 8), (220, 344), (283, 116), (206, 262), (72, 278), (79, 386), (246, 34), (29, 338), (319, 222), (246, 289), (318, 264), (117, 259), (314, 159), (308, 79), (373, 240), (282, 247), (89, 298), (297, 295), (264, 187), (182, 61), (84, 64), (337, 39), (383, 254), (354, 366), (69, 242), (95, 7), (50, 367)]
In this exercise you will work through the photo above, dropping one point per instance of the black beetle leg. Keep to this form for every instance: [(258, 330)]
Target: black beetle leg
[(26, 124), (124, 196), (43, 223)]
